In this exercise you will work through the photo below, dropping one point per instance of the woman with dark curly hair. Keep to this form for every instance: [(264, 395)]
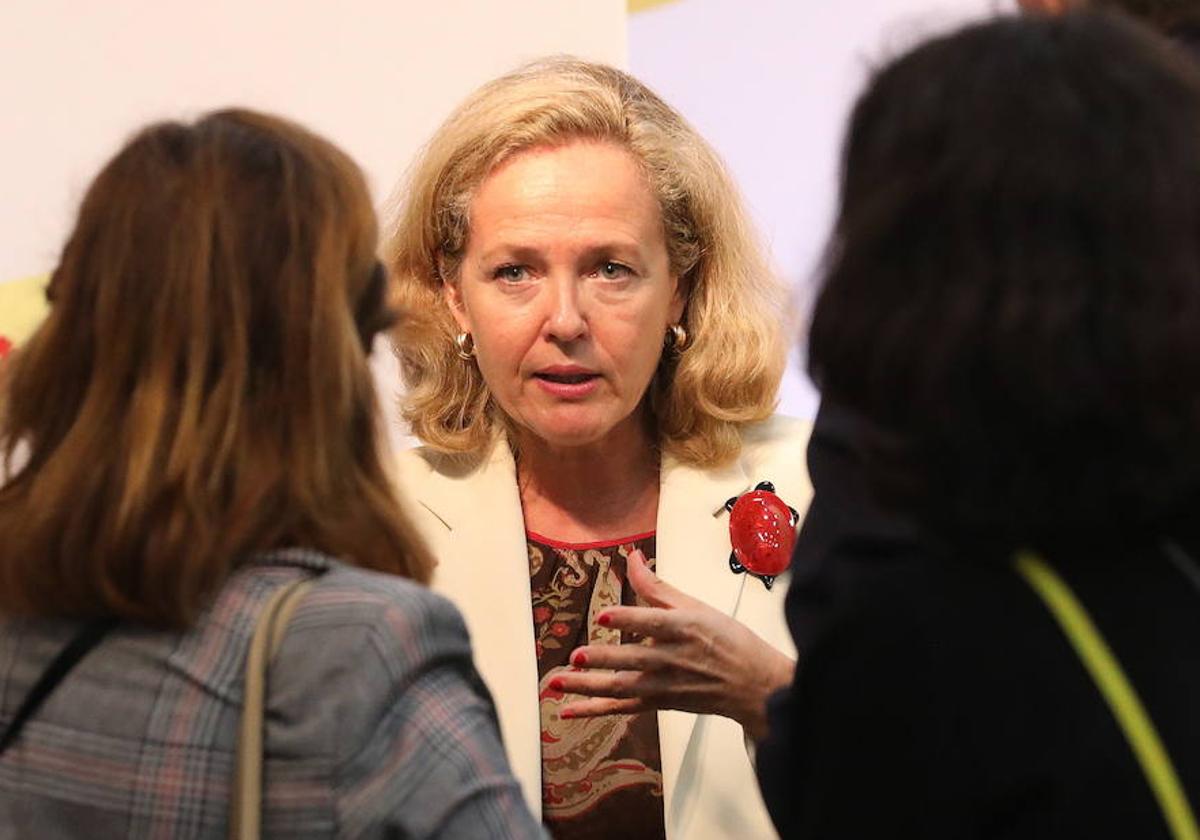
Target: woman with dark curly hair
[(1003, 636)]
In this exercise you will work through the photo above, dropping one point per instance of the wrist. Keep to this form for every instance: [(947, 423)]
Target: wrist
[(778, 675)]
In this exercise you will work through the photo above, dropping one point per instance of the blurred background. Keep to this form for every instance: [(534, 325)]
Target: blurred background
[(768, 82)]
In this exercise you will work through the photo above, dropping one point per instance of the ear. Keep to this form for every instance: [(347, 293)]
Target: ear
[(678, 301), (452, 295)]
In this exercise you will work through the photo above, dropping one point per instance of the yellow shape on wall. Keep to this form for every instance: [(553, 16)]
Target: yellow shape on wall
[(22, 307), (642, 5)]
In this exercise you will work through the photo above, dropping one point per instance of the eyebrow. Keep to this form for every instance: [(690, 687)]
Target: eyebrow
[(626, 248)]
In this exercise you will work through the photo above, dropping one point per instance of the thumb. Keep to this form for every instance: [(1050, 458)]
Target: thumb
[(648, 586)]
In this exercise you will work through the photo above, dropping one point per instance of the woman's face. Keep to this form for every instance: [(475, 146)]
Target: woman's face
[(565, 286)]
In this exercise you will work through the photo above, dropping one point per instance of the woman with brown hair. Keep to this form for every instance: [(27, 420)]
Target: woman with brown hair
[(198, 430)]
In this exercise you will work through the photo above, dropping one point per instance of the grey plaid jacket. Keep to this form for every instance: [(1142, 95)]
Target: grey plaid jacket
[(376, 725)]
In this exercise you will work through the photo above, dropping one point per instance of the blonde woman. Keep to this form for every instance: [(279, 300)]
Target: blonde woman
[(592, 366)]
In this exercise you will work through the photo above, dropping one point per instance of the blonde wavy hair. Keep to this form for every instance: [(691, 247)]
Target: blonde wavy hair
[(735, 310)]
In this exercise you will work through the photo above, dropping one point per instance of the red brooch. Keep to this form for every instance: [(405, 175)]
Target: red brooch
[(762, 530)]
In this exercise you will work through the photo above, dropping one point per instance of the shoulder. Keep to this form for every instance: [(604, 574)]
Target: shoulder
[(778, 439), (361, 640), (929, 604), (775, 450), (364, 631), (417, 466), (401, 620), (894, 631)]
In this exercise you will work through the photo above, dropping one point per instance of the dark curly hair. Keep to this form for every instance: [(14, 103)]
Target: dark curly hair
[(1012, 292)]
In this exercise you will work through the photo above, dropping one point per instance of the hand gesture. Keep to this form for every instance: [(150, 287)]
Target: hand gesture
[(696, 659)]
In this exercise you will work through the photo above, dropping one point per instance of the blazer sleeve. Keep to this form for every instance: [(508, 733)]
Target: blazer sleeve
[(426, 761)]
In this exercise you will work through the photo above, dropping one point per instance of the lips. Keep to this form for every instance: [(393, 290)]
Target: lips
[(567, 382), (566, 378)]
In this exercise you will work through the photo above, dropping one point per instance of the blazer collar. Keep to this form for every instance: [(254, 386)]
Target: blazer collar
[(688, 496), (457, 486), (693, 529), (693, 556), (480, 505)]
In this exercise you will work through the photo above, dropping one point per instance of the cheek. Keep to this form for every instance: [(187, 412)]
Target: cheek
[(501, 345), (635, 340), (498, 330), (496, 348)]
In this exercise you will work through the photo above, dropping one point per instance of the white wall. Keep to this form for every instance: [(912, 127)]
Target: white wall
[(375, 76), (770, 83)]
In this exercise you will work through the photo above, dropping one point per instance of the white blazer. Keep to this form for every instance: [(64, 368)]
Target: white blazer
[(470, 517)]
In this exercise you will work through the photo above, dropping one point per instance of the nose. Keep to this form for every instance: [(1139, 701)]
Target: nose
[(566, 320)]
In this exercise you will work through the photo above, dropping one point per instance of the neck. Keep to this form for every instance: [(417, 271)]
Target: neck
[(605, 490)]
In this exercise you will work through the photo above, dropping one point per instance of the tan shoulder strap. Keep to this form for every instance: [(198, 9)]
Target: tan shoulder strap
[(245, 806)]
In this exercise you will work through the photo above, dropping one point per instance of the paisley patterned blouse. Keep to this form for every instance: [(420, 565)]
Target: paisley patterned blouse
[(601, 777)]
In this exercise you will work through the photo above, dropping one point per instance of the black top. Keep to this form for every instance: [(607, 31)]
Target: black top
[(938, 698)]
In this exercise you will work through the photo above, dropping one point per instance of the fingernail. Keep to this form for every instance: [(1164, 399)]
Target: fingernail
[(565, 715), (555, 684), (579, 659), (604, 619)]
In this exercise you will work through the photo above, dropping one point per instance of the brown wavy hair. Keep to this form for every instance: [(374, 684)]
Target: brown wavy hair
[(200, 389), (735, 314)]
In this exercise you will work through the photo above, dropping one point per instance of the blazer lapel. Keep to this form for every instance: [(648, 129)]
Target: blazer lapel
[(693, 555), (481, 509)]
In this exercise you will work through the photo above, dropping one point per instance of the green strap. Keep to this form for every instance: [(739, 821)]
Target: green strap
[(1124, 702)]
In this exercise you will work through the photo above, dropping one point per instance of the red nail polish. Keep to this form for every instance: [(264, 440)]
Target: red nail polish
[(579, 659), (566, 715), (604, 620), (555, 684)]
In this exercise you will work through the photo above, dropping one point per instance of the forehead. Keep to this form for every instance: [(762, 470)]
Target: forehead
[(583, 187)]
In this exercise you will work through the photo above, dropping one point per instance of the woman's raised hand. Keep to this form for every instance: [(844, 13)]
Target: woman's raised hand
[(695, 659)]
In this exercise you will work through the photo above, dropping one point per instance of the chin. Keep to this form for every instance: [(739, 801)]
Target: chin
[(572, 428), (569, 436)]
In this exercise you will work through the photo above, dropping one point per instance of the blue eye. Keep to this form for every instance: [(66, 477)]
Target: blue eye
[(510, 273), (610, 270)]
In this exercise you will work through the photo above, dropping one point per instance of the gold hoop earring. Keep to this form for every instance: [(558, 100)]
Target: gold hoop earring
[(676, 339), (465, 344)]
